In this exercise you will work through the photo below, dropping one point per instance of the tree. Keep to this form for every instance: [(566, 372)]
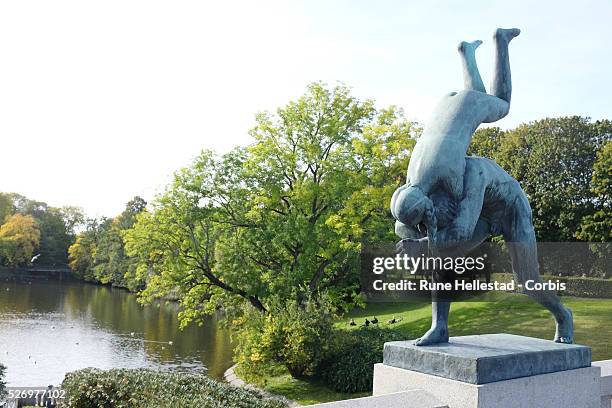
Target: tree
[(486, 142), (19, 238), (597, 227), (73, 218), (109, 257), (55, 237), (284, 218), (98, 253), (81, 256), (6, 207), (83, 252), (57, 225), (553, 160)]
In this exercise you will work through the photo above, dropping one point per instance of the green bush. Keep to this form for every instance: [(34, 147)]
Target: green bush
[(349, 366), (294, 335), (585, 287), (578, 286), (120, 388)]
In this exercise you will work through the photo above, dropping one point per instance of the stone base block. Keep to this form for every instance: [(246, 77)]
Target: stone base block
[(606, 382), (578, 388), (405, 399), (487, 358)]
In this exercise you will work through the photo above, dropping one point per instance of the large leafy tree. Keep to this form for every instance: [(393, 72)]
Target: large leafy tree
[(597, 227), (82, 253), (553, 160), (486, 142), (19, 238), (284, 218), (55, 237)]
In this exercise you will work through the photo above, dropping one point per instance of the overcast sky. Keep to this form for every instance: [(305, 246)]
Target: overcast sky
[(100, 101)]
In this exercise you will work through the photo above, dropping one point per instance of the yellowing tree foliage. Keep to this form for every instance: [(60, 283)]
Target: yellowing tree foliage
[(19, 238)]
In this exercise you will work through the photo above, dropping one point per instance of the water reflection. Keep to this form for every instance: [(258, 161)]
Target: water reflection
[(50, 328)]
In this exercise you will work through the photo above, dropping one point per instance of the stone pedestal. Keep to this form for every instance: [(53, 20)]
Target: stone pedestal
[(404, 399), (493, 371), (606, 382)]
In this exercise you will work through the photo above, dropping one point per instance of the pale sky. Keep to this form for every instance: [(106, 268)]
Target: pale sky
[(101, 101)]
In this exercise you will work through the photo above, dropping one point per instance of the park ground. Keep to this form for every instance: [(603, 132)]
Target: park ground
[(509, 313)]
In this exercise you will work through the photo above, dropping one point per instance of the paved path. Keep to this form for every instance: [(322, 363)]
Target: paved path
[(231, 377)]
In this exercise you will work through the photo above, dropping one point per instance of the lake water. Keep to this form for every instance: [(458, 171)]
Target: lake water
[(50, 328)]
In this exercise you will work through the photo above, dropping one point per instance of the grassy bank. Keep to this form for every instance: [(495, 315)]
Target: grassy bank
[(277, 380), (515, 314), (509, 313)]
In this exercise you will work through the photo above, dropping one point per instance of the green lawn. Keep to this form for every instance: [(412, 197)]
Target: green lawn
[(508, 313), (515, 314), (304, 392)]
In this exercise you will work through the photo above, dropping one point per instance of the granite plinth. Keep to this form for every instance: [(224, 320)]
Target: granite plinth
[(487, 358), (402, 399), (578, 388)]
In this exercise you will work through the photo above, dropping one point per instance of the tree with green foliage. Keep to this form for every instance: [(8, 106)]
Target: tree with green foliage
[(57, 225), (553, 160), (486, 142), (110, 260), (283, 219), (98, 252), (82, 253), (73, 218), (6, 207), (55, 237), (597, 227)]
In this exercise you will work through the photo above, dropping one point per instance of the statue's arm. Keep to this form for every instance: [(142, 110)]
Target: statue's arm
[(407, 232), (414, 242)]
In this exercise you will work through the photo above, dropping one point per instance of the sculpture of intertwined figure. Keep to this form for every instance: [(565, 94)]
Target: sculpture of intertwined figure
[(451, 202)]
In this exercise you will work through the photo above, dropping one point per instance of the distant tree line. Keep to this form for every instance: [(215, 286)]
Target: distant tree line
[(32, 231)]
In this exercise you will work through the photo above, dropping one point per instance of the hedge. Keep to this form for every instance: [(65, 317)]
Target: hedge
[(575, 285), (349, 366), (122, 388), (584, 287)]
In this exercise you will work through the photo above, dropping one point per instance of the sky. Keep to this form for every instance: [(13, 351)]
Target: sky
[(102, 101)]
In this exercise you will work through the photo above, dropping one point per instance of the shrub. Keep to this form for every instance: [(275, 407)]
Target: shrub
[(120, 388), (578, 286), (349, 366), (294, 335), (585, 287)]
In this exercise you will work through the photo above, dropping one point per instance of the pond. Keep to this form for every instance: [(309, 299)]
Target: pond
[(50, 328)]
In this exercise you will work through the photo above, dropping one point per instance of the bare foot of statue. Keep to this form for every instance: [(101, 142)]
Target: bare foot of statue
[(565, 328), (506, 34), (435, 335), (465, 47)]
